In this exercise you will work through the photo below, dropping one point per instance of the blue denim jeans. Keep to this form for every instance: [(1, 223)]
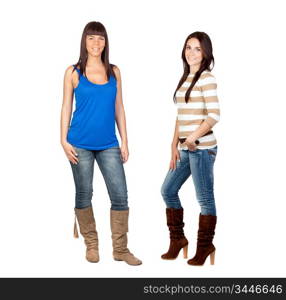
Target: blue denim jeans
[(199, 164), (111, 167)]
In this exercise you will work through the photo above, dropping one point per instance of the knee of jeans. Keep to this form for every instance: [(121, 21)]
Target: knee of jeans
[(168, 192), (163, 190)]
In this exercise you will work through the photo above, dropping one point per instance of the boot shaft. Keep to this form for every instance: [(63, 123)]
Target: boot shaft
[(85, 218), (206, 232), (87, 226), (175, 216), (119, 229), (205, 247), (175, 222)]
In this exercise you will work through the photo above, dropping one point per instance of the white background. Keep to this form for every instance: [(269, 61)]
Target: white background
[(39, 40)]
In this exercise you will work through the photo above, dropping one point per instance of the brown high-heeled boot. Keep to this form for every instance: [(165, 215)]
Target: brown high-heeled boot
[(177, 237), (88, 230), (205, 246)]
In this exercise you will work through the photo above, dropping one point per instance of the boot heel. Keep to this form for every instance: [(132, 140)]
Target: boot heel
[(212, 258), (185, 251)]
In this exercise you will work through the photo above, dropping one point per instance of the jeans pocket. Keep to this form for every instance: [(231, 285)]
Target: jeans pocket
[(212, 153)]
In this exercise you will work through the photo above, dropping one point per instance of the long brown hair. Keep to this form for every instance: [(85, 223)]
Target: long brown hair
[(206, 64), (95, 28)]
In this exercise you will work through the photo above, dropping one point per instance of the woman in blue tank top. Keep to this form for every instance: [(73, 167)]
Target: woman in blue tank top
[(90, 136)]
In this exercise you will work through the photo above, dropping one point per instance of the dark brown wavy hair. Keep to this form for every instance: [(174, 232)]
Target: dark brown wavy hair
[(206, 64), (95, 28)]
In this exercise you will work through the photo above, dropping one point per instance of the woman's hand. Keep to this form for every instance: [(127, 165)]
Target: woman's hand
[(190, 143), (124, 152), (192, 146), (70, 152), (174, 158)]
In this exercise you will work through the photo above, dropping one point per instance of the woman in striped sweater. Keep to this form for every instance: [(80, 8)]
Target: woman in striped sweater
[(198, 112)]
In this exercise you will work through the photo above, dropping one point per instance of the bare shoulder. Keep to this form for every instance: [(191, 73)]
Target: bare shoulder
[(69, 72), (116, 72)]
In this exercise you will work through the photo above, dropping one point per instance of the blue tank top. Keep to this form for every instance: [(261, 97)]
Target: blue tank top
[(93, 121)]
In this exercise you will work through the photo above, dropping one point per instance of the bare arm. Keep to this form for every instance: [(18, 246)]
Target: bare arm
[(175, 153), (66, 112), (66, 105), (120, 117), (176, 135)]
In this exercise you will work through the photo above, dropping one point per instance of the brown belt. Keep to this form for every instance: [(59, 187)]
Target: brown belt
[(182, 140)]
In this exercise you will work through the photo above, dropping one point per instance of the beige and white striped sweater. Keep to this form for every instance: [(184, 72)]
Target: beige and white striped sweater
[(202, 105)]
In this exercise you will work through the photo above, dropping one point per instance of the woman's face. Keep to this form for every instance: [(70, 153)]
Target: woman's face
[(95, 44), (193, 53)]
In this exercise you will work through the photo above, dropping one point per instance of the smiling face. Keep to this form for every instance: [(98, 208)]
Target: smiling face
[(193, 53), (95, 45)]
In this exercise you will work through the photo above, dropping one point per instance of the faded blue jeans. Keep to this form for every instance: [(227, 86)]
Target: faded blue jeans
[(111, 167), (199, 164)]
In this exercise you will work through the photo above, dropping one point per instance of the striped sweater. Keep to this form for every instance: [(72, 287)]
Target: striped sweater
[(202, 106)]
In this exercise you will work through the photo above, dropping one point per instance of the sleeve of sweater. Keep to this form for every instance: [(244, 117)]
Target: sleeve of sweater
[(208, 87)]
